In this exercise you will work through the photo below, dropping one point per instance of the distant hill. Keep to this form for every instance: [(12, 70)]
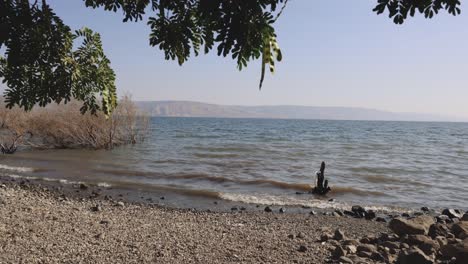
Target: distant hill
[(197, 109)]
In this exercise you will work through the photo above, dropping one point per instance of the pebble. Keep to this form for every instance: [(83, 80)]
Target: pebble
[(120, 204), (268, 209), (302, 248)]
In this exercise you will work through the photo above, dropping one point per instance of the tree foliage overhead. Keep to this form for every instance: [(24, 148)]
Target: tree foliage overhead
[(40, 65)]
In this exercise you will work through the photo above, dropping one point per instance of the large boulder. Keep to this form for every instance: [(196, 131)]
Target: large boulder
[(413, 256), (458, 250), (414, 226), (460, 229), (438, 229), (425, 243)]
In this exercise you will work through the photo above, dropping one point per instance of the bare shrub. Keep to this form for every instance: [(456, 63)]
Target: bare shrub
[(63, 126)]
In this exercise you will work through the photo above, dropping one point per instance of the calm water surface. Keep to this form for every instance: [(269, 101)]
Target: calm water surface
[(380, 164)]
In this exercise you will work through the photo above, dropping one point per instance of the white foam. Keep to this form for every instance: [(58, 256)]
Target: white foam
[(15, 169), (266, 199), (104, 184)]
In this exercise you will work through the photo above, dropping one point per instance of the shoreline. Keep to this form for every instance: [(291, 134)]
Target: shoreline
[(40, 223), (173, 199), (53, 223)]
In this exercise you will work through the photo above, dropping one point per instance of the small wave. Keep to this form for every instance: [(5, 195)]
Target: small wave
[(16, 169), (215, 156), (266, 199)]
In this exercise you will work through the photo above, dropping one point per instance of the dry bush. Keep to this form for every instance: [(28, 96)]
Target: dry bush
[(63, 126)]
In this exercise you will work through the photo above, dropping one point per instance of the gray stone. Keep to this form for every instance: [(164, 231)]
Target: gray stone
[(351, 249), (120, 204), (412, 226), (281, 210), (367, 248), (301, 235), (413, 256)]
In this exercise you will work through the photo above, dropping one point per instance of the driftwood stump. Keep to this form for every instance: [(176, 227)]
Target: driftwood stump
[(321, 186)]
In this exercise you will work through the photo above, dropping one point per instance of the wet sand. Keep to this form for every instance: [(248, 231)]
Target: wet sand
[(44, 224)]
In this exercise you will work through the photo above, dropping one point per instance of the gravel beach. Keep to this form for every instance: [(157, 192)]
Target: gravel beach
[(42, 226)]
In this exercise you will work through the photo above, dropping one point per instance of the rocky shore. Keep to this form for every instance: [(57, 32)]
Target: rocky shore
[(40, 224)]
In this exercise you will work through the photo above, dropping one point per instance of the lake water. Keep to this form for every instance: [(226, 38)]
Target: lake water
[(266, 161)]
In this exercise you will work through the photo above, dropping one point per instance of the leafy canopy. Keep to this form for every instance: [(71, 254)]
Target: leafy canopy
[(41, 66)]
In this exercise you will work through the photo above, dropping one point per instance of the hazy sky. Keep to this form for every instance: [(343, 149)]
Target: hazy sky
[(336, 53)]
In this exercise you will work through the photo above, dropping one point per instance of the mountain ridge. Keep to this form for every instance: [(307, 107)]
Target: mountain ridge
[(169, 108)]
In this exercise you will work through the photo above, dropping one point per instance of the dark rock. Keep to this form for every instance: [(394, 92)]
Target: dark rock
[(83, 186), (381, 219), (96, 208), (338, 252), (281, 210), (424, 209), (331, 200), (345, 260), (339, 235), (312, 213), (162, 197), (291, 236), (215, 202), (452, 213), (413, 226), (465, 217), (460, 230), (442, 218), (405, 215), (358, 211), (302, 248), (437, 229), (377, 257), (458, 250), (268, 209), (413, 256), (364, 254), (325, 237), (243, 208), (234, 208), (369, 240), (390, 244), (306, 207), (348, 213), (370, 215), (104, 222)]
